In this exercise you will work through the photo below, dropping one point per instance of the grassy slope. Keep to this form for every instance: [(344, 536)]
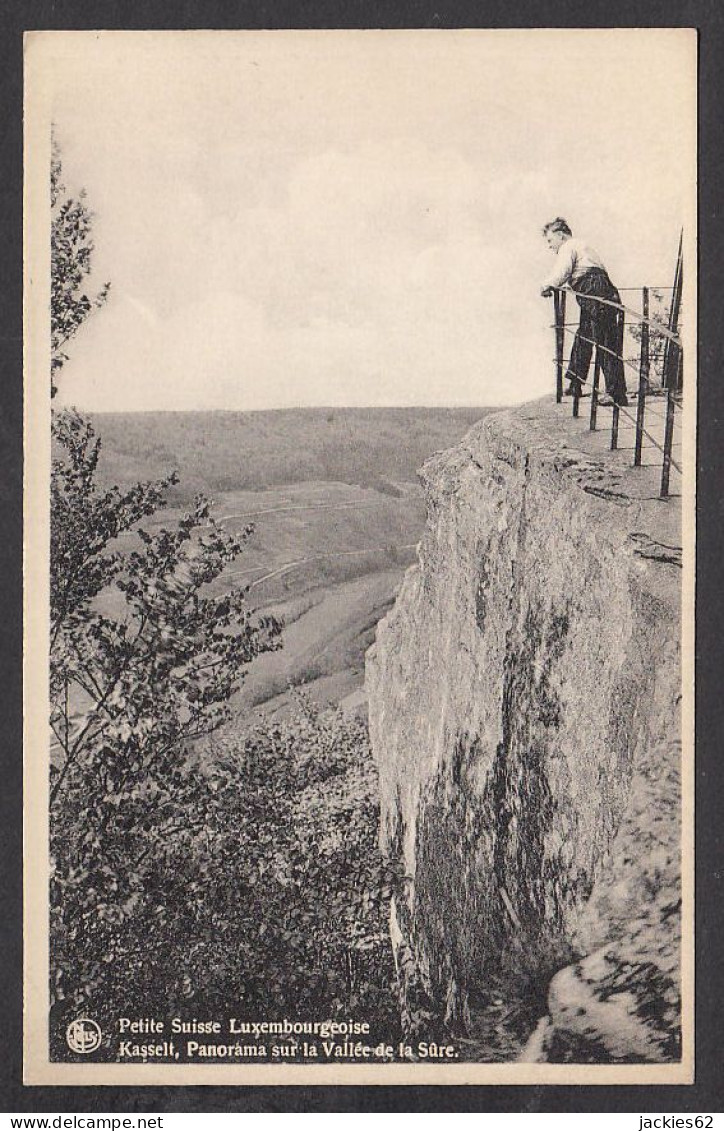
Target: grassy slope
[(333, 489)]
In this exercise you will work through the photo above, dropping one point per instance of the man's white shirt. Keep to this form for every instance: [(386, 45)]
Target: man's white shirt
[(573, 259)]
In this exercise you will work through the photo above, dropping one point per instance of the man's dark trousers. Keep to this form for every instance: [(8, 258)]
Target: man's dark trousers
[(599, 324)]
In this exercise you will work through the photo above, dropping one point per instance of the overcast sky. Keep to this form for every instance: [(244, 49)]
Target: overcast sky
[(353, 218)]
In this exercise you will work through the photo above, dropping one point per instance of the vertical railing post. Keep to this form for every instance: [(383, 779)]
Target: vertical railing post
[(576, 397), (621, 316), (594, 388), (668, 441), (671, 370), (643, 380), (559, 309)]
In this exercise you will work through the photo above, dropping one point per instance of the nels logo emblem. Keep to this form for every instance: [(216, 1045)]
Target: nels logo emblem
[(83, 1035)]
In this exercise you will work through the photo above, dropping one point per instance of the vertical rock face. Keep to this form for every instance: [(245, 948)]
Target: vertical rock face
[(524, 695)]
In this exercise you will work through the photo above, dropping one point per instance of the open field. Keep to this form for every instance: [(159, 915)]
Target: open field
[(327, 559), (324, 645), (337, 511)]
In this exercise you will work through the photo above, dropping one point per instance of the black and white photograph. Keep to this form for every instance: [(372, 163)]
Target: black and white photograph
[(360, 401)]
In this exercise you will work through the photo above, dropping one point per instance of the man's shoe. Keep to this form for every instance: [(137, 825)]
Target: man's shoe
[(607, 401), (575, 389)]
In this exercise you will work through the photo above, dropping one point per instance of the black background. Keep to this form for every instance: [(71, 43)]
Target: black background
[(707, 1094)]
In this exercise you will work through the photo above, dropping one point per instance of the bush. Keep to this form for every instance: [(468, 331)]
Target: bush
[(252, 887)]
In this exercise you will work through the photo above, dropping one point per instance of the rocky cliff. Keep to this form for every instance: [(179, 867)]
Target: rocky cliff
[(524, 700)]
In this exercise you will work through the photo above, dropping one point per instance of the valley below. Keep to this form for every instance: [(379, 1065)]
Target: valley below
[(337, 510)]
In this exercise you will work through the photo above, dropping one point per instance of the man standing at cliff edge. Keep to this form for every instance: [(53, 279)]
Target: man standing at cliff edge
[(579, 266)]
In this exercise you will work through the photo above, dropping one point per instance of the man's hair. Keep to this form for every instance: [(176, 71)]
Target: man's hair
[(557, 225)]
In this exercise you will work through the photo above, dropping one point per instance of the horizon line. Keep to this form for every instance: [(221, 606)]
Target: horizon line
[(288, 408)]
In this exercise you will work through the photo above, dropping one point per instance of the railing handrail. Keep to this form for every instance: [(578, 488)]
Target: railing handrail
[(672, 366), (658, 326)]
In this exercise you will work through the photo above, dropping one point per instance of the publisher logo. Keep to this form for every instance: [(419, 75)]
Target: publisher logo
[(83, 1035)]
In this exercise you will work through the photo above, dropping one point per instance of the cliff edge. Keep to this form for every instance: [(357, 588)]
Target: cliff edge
[(524, 696)]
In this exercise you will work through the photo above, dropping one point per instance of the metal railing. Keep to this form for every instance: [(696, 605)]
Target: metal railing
[(671, 367)]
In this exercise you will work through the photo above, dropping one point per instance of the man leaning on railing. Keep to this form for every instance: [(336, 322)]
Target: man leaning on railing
[(579, 266)]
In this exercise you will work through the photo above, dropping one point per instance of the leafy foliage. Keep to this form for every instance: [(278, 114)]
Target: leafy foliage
[(185, 878), (658, 312), (126, 690), (85, 521), (72, 251), (250, 885)]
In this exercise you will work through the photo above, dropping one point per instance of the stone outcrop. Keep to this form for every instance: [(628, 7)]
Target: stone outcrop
[(524, 697)]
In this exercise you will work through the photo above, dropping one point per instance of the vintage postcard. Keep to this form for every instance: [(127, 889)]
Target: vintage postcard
[(359, 439)]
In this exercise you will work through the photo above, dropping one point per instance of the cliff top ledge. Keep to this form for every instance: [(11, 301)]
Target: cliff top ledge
[(549, 434)]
